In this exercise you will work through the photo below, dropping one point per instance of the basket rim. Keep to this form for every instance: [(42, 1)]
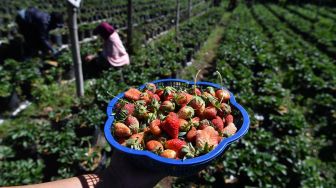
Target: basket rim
[(197, 160)]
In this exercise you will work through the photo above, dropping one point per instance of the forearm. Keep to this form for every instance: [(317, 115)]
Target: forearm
[(65, 183)]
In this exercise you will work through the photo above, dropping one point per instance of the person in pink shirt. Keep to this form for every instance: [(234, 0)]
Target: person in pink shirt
[(113, 50)]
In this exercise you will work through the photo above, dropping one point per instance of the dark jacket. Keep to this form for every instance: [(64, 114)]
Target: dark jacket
[(35, 27)]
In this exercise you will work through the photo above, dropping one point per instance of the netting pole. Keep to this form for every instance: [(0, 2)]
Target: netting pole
[(72, 22), (129, 27), (177, 19)]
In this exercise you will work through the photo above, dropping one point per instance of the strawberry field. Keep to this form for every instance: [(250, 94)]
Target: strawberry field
[(277, 58)]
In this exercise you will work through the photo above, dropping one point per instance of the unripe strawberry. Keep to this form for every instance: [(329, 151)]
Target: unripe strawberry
[(151, 87), (197, 103), (121, 130), (222, 95), (195, 121), (155, 127), (154, 145), (167, 106), (224, 109), (203, 124), (180, 98), (186, 112), (168, 153), (184, 125), (133, 123)]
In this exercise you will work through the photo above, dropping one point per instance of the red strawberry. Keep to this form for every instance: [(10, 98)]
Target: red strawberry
[(122, 141), (218, 123), (156, 97), (155, 127), (230, 129), (208, 135), (121, 130), (220, 138), (132, 94), (168, 93), (133, 123), (229, 119), (171, 125), (138, 137), (198, 92), (154, 146), (159, 92), (210, 112), (151, 87), (167, 106), (175, 144), (191, 135), (186, 112), (222, 95), (168, 153), (129, 108)]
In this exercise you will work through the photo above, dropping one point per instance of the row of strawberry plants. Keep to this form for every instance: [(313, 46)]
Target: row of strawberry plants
[(278, 152), (321, 32)]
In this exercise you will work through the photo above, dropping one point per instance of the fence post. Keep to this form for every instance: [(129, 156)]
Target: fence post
[(73, 28)]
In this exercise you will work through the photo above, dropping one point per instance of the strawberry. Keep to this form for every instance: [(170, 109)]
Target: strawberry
[(159, 92), (203, 124), (195, 121), (197, 91), (210, 112), (175, 144), (207, 137), (156, 97), (181, 98), (186, 112), (133, 123), (171, 125), (222, 95), (219, 139), (229, 119), (154, 105), (135, 141), (218, 123), (128, 108), (191, 135), (197, 103), (230, 129), (167, 106), (155, 127), (145, 97), (151, 87), (121, 130), (184, 125), (224, 109), (122, 141), (168, 93), (140, 111), (188, 151), (154, 146), (132, 94), (168, 153)]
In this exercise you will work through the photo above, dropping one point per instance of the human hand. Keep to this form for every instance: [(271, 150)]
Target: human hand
[(89, 58), (122, 173)]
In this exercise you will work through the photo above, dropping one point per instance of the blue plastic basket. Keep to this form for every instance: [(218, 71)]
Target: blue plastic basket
[(146, 159)]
